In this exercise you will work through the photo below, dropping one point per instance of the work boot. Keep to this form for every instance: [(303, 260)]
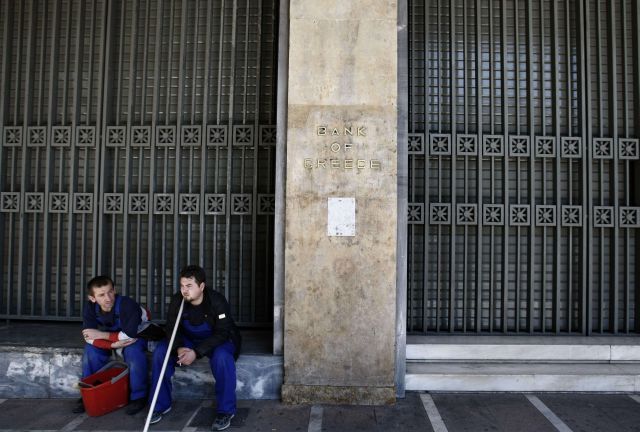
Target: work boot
[(222, 422), (135, 406), (78, 407)]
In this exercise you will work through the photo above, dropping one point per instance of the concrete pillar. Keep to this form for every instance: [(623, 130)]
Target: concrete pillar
[(341, 203)]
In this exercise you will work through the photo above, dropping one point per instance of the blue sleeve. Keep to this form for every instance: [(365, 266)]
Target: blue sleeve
[(89, 320), (130, 316)]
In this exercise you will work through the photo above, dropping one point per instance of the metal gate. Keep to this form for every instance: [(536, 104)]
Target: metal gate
[(137, 136), (523, 149)]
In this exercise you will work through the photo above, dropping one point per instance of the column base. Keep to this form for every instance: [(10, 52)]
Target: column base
[(338, 395)]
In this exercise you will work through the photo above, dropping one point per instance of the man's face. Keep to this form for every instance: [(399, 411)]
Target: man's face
[(191, 291), (105, 296)]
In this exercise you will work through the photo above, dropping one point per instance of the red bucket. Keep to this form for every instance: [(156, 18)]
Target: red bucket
[(106, 390)]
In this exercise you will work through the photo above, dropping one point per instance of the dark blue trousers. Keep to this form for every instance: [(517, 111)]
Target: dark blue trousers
[(134, 356), (222, 366)]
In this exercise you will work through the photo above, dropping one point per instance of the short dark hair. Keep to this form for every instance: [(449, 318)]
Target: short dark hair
[(194, 272), (97, 282)]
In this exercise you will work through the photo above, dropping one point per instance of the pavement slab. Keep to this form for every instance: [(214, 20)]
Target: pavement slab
[(36, 414), (406, 415), (599, 412), (490, 412)]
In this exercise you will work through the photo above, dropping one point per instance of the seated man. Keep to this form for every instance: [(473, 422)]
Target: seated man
[(205, 329), (111, 321)]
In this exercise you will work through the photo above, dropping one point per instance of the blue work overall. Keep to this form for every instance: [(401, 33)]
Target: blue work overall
[(221, 362), (134, 355)]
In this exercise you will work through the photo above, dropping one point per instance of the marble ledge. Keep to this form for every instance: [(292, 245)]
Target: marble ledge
[(29, 372)]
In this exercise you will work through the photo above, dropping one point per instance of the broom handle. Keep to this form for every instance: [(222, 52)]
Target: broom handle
[(164, 367)]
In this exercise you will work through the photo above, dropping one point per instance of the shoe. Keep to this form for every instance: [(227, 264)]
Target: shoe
[(222, 421), (157, 416), (79, 407), (135, 406)]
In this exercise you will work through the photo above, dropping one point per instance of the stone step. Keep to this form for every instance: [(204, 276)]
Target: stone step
[(45, 372), (542, 377), (523, 350)]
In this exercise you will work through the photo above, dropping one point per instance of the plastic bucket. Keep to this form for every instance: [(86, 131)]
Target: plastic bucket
[(106, 390)]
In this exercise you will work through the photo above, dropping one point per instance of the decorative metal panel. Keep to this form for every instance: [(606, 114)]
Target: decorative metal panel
[(530, 112), (136, 137)]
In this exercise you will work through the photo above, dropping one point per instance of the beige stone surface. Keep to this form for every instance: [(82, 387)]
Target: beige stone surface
[(346, 62), (340, 292)]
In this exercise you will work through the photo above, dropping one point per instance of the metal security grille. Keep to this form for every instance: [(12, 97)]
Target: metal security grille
[(523, 149), (137, 136)]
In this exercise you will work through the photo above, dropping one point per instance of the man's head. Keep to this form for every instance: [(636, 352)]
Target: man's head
[(192, 283), (100, 290)]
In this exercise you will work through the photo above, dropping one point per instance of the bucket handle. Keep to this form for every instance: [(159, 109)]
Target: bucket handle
[(116, 363)]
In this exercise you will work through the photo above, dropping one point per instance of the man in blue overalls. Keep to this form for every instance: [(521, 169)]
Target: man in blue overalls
[(205, 329), (111, 321)]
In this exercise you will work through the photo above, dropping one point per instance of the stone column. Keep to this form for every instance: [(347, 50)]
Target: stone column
[(341, 203)]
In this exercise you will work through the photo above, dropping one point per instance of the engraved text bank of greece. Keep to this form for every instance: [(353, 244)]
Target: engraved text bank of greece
[(339, 141)]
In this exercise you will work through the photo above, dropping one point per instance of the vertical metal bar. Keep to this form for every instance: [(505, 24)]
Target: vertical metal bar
[(268, 259), (191, 121), (18, 76), (35, 246), (427, 113), (73, 181), (437, 88), (613, 118), (83, 232), (194, 82), (627, 166), (232, 79), (51, 114), (586, 125), (480, 191), (103, 118), (151, 252), (179, 111), (141, 121), (452, 116), (531, 228), (12, 186), (27, 117), (165, 152), (569, 59), (254, 189), (126, 226), (99, 155), (242, 168), (479, 195), (229, 131), (601, 190), (203, 152), (280, 191), (133, 45), (505, 185), (63, 160), (558, 199)]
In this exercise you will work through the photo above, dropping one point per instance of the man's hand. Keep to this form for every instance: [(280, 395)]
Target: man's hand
[(186, 356), (93, 334), (123, 343)]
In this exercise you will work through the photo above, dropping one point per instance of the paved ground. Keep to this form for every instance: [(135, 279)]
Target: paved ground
[(438, 412)]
